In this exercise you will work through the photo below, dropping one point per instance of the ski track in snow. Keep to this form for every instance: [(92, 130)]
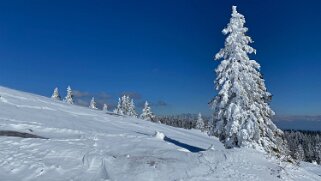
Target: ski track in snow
[(89, 145)]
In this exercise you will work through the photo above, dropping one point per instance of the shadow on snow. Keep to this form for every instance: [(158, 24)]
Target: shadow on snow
[(190, 148), (19, 134)]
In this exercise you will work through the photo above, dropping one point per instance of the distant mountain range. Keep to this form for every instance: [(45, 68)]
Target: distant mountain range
[(298, 122)]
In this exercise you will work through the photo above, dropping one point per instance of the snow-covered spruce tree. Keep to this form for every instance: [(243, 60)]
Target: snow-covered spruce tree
[(93, 104), (105, 108), (147, 113), (119, 109), (200, 122), (125, 104), (242, 115), (69, 97), (56, 95), (131, 108)]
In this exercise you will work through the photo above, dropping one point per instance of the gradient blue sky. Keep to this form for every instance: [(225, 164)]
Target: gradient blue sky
[(158, 50)]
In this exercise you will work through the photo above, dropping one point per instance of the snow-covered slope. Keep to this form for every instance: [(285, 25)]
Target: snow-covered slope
[(85, 144)]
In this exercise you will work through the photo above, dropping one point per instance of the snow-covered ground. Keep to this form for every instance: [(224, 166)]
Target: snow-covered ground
[(85, 144)]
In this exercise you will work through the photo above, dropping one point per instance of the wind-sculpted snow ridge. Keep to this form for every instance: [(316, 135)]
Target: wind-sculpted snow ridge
[(88, 145)]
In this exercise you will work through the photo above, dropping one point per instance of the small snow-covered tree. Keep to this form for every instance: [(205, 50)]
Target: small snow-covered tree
[(242, 115), (125, 104), (105, 108), (119, 109), (69, 97), (131, 109), (200, 122), (93, 104), (147, 113), (56, 95)]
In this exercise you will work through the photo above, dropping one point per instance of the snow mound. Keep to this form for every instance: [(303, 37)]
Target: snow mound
[(159, 135), (212, 147), (85, 144)]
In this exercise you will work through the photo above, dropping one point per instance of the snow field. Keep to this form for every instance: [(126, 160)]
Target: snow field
[(86, 144)]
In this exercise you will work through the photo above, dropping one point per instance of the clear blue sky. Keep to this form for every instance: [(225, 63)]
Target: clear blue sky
[(158, 50)]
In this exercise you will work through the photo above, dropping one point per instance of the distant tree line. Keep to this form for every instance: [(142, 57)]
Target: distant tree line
[(186, 121), (304, 145)]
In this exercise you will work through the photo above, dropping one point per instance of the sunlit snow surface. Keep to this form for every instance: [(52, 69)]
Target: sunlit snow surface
[(87, 145)]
